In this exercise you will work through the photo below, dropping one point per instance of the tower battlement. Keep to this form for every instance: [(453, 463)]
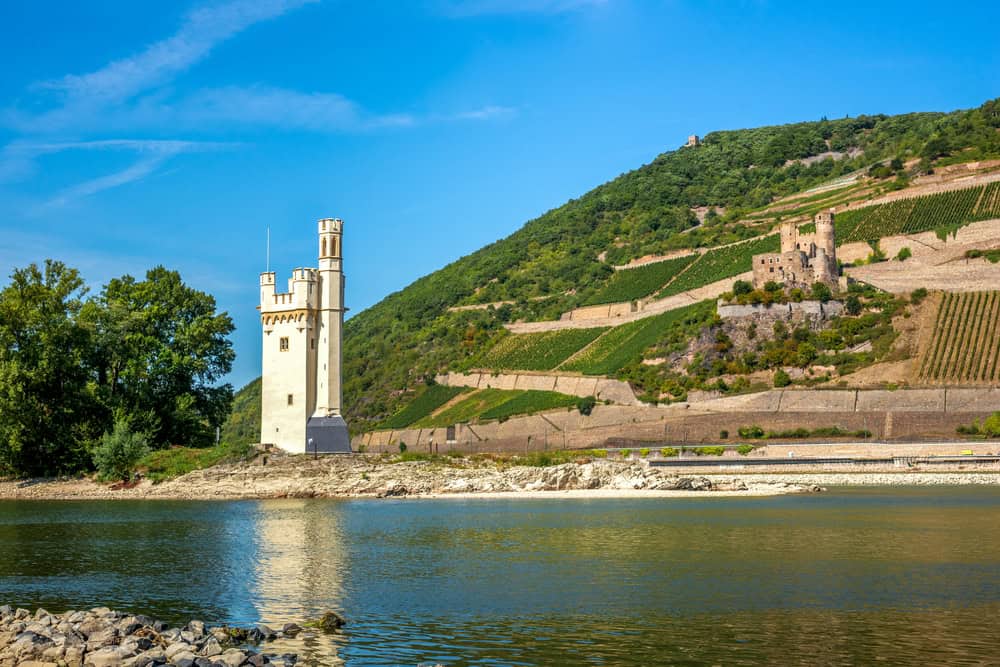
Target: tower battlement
[(301, 395)]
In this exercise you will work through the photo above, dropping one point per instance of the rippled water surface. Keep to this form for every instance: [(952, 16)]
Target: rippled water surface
[(852, 576)]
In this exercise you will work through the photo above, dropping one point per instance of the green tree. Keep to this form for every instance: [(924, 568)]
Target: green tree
[(821, 292), (159, 348), (781, 378), (852, 305), (48, 413), (742, 287)]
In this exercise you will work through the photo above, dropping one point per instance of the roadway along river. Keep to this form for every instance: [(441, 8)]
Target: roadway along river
[(852, 576)]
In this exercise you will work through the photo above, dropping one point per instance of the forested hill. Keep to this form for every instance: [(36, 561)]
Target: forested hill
[(698, 196)]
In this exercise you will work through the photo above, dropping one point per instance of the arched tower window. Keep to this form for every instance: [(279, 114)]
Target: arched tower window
[(322, 247)]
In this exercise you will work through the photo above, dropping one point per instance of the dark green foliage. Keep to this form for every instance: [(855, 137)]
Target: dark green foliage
[(242, 427), (852, 304), (918, 295), (781, 378), (48, 411), (159, 348), (429, 400), (586, 405), (150, 351), (904, 254), (631, 284), (742, 287), (821, 291)]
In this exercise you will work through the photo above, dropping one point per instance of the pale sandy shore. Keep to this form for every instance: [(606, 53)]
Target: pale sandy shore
[(756, 490)]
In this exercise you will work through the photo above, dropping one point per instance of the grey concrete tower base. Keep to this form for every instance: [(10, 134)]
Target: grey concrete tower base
[(327, 435)]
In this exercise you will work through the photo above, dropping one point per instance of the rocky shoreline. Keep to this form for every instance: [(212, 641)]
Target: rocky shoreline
[(282, 476), (101, 637)]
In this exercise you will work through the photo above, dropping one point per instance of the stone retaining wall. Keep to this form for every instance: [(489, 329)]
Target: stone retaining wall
[(815, 309), (603, 389), (889, 415)]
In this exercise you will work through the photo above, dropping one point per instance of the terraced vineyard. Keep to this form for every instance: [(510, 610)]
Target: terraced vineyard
[(965, 347), (487, 404), (721, 263), (627, 342), (944, 212), (536, 351), (427, 402), (631, 284)]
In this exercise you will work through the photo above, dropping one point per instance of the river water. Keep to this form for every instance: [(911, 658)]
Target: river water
[(852, 576)]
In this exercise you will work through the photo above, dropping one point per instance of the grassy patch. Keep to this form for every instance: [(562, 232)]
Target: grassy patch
[(164, 464), (424, 404)]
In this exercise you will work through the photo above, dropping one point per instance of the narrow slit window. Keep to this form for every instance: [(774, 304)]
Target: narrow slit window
[(283, 344), (291, 399)]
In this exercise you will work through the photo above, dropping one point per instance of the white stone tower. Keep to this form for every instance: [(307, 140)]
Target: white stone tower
[(301, 396)]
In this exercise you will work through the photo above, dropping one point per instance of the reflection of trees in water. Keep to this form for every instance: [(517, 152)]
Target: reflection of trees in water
[(299, 570)]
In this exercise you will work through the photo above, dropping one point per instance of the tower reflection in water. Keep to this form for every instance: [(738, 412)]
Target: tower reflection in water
[(301, 559)]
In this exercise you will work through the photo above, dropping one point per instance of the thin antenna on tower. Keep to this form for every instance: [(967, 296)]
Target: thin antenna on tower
[(268, 248)]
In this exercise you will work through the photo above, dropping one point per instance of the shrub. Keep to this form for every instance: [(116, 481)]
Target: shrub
[(668, 452), (821, 292), (119, 451), (781, 378), (402, 447), (753, 432), (918, 295), (744, 449), (644, 452), (904, 254), (742, 287), (625, 453), (852, 305), (709, 451), (586, 405)]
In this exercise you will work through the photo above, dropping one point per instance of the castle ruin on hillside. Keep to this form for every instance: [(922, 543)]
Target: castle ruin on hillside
[(804, 258), (301, 388)]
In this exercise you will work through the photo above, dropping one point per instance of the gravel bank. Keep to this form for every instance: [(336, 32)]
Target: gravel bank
[(372, 476)]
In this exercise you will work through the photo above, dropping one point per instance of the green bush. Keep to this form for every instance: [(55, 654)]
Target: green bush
[(402, 448), (753, 432), (644, 452), (668, 452), (904, 254), (119, 451), (781, 378), (744, 449), (586, 405), (918, 295), (709, 451)]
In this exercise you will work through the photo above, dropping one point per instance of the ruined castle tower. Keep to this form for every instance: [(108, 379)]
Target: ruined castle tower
[(301, 394)]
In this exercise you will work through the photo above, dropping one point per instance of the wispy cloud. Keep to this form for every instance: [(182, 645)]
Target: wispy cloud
[(484, 113), (464, 8), (19, 159), (80, 97)]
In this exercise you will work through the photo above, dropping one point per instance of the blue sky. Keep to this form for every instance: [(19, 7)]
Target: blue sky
[(134, 134)]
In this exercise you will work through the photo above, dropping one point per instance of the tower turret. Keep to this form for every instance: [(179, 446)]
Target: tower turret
[(326, 430), (789, 236), (825, 233)]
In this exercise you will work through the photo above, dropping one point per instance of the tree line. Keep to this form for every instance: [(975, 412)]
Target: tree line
[(142, 356)]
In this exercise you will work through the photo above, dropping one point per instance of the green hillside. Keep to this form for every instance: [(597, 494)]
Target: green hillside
[(552, 263)]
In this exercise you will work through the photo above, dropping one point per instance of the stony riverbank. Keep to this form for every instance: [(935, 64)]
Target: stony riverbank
[(104, 638), (279, 476)]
